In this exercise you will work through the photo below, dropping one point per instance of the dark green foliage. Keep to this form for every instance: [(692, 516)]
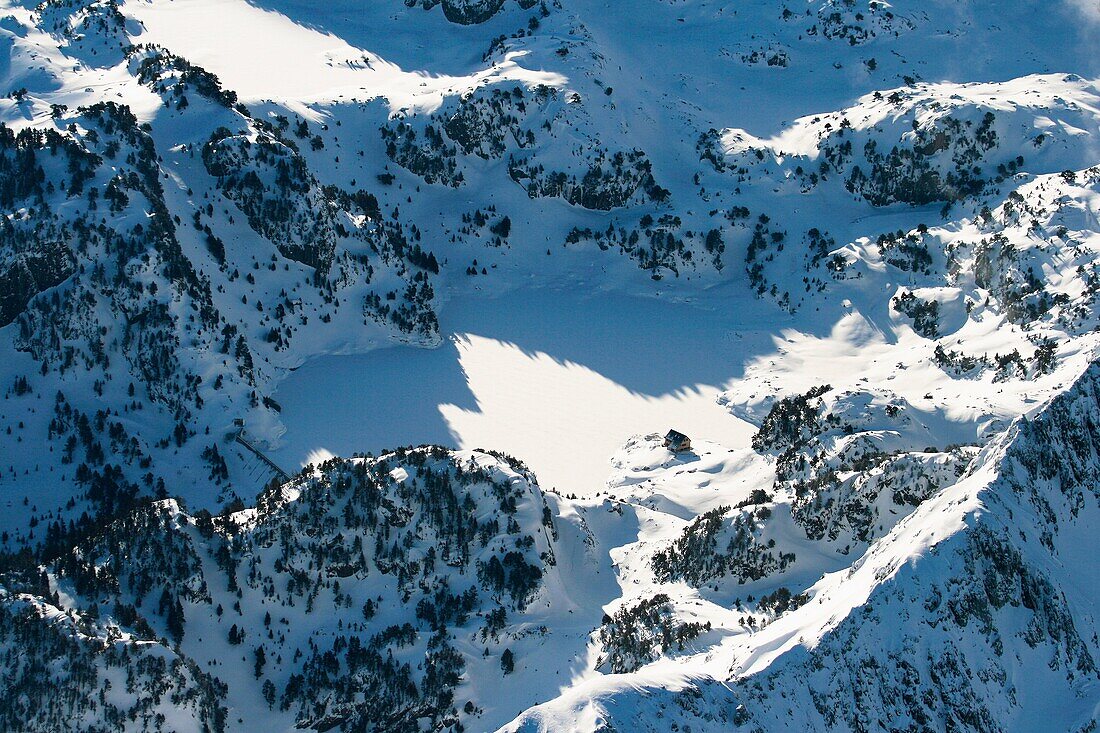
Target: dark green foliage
[(52, 672), (658, 246), (907, 252), (270, 182), (924, 313), (791, 421), (514, 576), (781, 601), (164, 71), (911, 174), (697, 558), (637, 635), (610, 181)]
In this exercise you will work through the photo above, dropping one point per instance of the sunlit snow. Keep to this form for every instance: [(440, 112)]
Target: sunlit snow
[(556, 380), (264, 55)]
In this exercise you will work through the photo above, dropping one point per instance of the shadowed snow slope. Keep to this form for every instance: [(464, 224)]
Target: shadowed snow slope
[(248, 248), (977, 611), (263, 55), (590, 372)]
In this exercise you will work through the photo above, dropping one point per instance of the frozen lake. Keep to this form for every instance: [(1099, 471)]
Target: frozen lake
[(558, 380)]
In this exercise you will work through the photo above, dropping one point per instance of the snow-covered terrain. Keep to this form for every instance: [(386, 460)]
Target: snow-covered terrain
[(591, 370), (251, 248)]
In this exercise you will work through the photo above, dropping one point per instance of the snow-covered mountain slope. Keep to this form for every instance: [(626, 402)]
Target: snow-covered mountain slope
[(401, 587), (849, 246), (420, 585), (977, 611), (242, 196)]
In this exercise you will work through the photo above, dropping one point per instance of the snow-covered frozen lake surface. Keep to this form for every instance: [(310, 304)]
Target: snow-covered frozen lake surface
[(556, 379)]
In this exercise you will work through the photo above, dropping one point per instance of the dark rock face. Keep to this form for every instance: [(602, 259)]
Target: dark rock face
[(271, 183), (30, 274), (465, 12), (392, 559), (468, 12)]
